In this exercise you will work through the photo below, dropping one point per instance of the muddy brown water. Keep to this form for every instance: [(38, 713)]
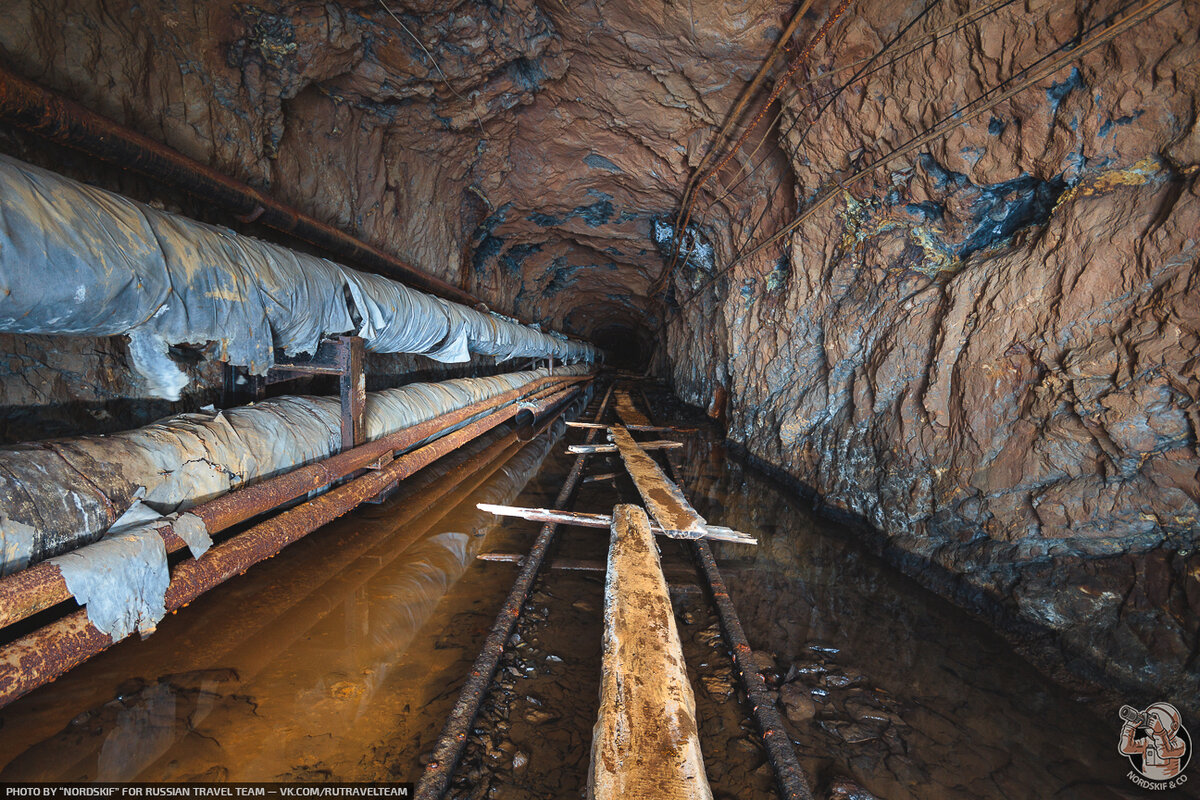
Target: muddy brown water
[(340, 658)]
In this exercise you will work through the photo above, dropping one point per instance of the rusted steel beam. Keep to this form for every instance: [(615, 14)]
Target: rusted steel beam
[(658, 444), (55, 648), (449, 748), (54, 117), (584, 520), (792, 780), (41, 586)]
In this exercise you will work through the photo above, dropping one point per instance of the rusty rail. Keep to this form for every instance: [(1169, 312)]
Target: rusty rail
[(791, 779), (63, 121), (453, 739), (48, 652), (41, 586)]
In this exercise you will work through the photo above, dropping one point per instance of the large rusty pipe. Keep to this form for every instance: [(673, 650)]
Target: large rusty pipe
[(41, 586), (54, 117), (48, 652)]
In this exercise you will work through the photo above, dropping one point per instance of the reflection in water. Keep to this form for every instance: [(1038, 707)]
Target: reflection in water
[(281, 670), (881, 680), (341, 657)]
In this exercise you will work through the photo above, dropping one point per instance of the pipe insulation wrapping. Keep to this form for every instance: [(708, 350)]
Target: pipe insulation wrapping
[(78, 260), (56, 495)]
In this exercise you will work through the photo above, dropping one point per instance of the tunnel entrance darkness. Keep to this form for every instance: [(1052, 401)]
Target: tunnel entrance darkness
[(625, 347)]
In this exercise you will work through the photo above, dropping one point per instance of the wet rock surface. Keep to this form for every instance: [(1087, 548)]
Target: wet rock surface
[(987, 351)]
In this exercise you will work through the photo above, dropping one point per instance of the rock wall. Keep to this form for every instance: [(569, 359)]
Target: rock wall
[(988, 351)]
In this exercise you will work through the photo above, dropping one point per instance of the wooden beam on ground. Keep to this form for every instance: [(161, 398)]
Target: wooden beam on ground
[(662, 497), (660, 444), (638, 428), (584, 520), (627, 411), (645, 743), (603, 476)]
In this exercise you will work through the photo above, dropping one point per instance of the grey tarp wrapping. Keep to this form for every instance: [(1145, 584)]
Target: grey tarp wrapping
[(59, 494), (75, 259)]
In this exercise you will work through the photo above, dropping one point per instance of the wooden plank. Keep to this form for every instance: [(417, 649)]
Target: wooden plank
[(662, 497), (603, 476), (658, 444), (645, 743), (638, 428), (584, 520), (627, 411)]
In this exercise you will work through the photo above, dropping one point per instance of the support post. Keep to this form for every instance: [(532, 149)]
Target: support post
[(353, 385)]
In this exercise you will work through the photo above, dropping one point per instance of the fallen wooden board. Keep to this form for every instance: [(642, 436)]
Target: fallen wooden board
[(627, 411), (585, 520), (645, 743), (639, 428), (659, 444), (604, 476), (662, 497)]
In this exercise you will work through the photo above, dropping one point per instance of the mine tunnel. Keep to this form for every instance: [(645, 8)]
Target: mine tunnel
[(606, 399)]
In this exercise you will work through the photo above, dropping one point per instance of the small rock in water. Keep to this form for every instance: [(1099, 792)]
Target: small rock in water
[(846, 789), (822, 647)]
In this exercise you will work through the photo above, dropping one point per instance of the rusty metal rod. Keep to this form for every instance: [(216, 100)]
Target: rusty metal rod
[(791, 779), (449, 748), (41, 586), (54, 117), (48, 652)]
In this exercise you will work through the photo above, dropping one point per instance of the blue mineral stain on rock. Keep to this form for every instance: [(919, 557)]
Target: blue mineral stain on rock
[(997, 211), (527, 74), (695, 250), (996, 126), (1059, 91), (597, 161), (516, 255), (594, 214), (780, 272), (1128, 119), (928, 211)]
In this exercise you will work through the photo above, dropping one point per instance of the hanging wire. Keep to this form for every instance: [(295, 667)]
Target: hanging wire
[(1075, 49)]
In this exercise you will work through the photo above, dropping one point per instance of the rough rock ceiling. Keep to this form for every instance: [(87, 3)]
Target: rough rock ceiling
[(523, 148)]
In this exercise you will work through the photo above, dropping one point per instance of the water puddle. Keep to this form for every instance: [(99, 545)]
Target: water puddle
[(340, 658)]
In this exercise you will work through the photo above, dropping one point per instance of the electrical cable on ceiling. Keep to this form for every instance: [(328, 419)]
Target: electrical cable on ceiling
[(951, 121)]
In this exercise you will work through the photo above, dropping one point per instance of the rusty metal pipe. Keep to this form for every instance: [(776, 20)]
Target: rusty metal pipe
[(48, 652), (54, 117), (448, 750), (41, 586)]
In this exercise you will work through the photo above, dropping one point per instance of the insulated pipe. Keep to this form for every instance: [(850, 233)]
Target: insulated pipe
[(182, 461), (54, 117), (48, 652), (80, 261), (42, 586)]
